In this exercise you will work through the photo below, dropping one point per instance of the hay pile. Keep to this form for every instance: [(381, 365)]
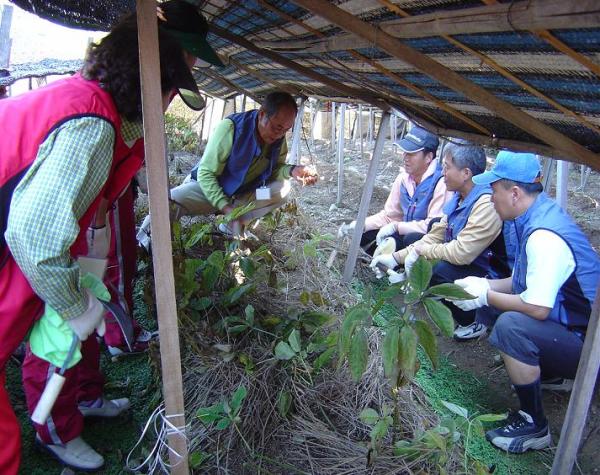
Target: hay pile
[(322, 432)]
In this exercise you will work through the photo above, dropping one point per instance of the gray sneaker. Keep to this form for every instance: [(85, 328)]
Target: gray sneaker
[(103, 407), (76, 454), (557, 384), (474, 330)]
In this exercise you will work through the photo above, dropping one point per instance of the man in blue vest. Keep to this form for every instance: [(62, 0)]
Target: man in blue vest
[(544, 307), (465, 237), (244, 161), (417, 197)]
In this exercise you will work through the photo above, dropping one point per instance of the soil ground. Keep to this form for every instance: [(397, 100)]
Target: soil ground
[(476, 357)]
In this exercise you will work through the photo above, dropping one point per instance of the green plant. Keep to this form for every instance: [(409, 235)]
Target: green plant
[(224, 413), (180, 134), (379, 427)]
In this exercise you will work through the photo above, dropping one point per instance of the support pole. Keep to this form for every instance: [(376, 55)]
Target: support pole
[(162, 254), (583, 390), (243, 103), (5, 41), (340, 155), (312, 124), (371, 126), (332, 145), (547, 172), (365, 199), (360, 130), (295, 154), (562, 183)]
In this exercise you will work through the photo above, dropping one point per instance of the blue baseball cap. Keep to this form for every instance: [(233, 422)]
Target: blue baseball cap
[(521, 167), (418, 139)]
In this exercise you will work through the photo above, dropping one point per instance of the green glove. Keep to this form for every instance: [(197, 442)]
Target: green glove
[(51, 336)]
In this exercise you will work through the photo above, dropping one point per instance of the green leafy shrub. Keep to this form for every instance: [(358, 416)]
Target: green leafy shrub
[(180, 134)]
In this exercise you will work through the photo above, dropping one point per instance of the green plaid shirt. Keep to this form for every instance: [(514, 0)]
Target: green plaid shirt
[(69, 171)]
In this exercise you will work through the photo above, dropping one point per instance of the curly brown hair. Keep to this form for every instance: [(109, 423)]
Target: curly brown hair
[(114, 63)]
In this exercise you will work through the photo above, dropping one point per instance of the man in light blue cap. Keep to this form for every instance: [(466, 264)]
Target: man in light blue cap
[(544, 307)]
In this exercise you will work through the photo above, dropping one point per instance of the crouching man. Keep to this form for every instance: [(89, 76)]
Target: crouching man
[(544, 307)]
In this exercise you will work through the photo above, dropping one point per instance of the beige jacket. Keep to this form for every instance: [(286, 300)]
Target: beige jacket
[(483, 226)]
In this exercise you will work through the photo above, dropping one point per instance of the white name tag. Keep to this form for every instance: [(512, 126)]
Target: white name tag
[(263, 193)]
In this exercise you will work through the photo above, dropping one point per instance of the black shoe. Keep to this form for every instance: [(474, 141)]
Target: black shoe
[(520, 434)]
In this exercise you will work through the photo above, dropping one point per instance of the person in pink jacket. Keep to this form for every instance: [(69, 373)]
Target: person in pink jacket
[(417, 197)]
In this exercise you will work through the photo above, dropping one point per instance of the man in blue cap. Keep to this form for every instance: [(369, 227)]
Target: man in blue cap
[(417, 197), (544, 307)]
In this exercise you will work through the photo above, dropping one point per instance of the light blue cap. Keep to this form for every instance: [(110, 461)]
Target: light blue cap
[(521, 167)]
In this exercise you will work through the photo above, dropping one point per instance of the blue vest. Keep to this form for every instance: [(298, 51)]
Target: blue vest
[(458, 213), (244, 150), (573, 303), (416, 207)]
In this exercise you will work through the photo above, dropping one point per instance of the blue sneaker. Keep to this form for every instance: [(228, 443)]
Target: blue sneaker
[(520, 434)]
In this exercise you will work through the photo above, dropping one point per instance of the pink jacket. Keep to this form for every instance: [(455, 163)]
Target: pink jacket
[(392, 212)]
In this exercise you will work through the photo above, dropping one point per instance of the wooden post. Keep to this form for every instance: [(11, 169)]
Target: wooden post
[(547, 172), (5, 41), (243, 108), (333, 126), (162, 254), (312, 124), (360, 130), (371, 126), (562, 183), (365, 199), (210, 118), (295, 153), (583, 390), (340, 155)]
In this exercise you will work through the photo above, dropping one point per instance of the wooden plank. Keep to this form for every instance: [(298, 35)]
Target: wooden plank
[(162, 255), (583, 390), (309, 73), (563, 48), (295, 152), (365, 199), (452, 80), (340, 155)]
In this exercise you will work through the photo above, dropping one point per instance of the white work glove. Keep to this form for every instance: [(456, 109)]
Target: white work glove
[(396, 277), (98, 241), (385, 231), (409, 261), (90, 320), (346, 229), (386, 260), (476, 286)]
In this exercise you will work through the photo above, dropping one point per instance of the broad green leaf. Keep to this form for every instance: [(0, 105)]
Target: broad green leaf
[(210, 275), (198, 458), (456, 409), (389, 352), (304, 297), (412, 295), (478, 427), (491, 417), (284, 403), (235, 293), (223, 424), (237, 399), (210, 414), (369, 416), (323, 359), (449, 291), (435, 439), (317, 299), (354, 316), (309, 249), (441, 315), (237, 329), (249, 311), (359, 353), (201, 304), (248, 267), (420, 274), (408, 350), (294, 341), (270, 321), (283, 351), (314, 320), (379, 430), (217, 260), (427, 341)]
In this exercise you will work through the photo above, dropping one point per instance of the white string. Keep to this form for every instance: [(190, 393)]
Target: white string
[(157, 459)]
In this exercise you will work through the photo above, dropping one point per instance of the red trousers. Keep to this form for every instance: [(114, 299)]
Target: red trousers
[(121, 264), (19, 308)]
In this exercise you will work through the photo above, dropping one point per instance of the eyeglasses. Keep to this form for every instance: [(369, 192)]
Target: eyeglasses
[(277, 128)]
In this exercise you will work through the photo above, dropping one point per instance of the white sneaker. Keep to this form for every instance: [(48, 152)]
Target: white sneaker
[(102, 407), (474, 330), (76, 454)]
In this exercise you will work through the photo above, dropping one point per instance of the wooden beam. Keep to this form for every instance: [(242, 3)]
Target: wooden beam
[(365, 199), (162, 255), (451, 79), (583, 390), (277, 58)]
